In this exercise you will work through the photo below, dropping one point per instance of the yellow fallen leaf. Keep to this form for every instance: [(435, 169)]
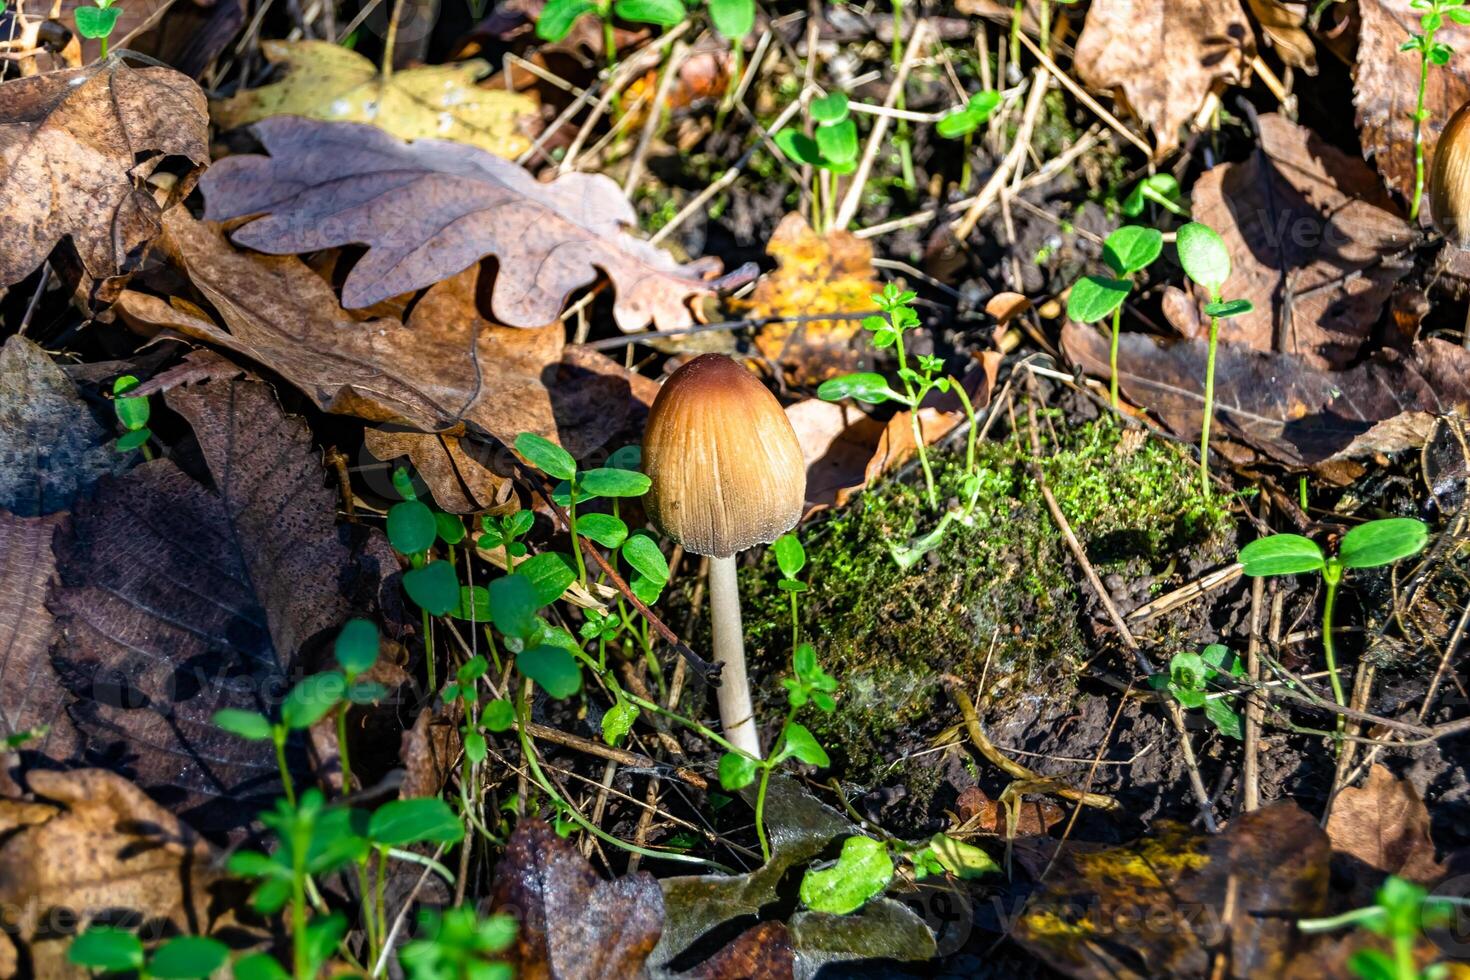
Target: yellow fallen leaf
[(329, 82)]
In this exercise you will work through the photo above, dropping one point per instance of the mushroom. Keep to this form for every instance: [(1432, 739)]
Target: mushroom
[(728, 474), (1449, 186)]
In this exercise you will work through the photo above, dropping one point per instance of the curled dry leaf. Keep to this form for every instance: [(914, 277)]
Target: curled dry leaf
[(52, 448), (30, 696), (176, 600), (1280, 407), (96, 845), (329, 82), (430, 209), (75, 150), (1164, 57), (1385, 825), (1316, 244), (1282, 22), (1386, 88), (830, 273)]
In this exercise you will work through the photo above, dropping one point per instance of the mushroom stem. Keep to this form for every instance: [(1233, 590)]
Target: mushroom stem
[(737, 716)]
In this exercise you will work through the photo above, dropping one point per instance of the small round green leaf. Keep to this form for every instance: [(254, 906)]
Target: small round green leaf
[(801, 743), (962, 860), (129, 441), (248, 725), (546, 456), (605, 529), (1382, 542), (829, 109), (356, 648), (106, 948), (838, 142), (1204, 256), (617, 722), (97, 22), (474, 604), (732, 18), (609, 482), (864, 386), (411, 527), (642, 552), (790, 555), (1094, 298), (499, 715), (664, 13), (737, 771), (422, 819), (863, 870), (259, 966), (558, 17), (513, 605), (1132, 249), (798, 147), (553, 668), (1281, 554), (434, 588), (550, 574), (188, 958), (449, 526), (310, 700)]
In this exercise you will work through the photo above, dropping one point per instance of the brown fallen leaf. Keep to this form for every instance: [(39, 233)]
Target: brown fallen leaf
[(1164, 57), (979, 813), (1282, 22), (1386, 87), (183, 35), (830, 273), (176, 600), (30, 697), (1385, 825), (196, 367), (1159, 907), (573, 925), (94, 845), (430, 209), (762, 952), (457, 474), (446, 367), (329, 82), (1317, 245), (76, 147), (1278, 406), (52, 448)]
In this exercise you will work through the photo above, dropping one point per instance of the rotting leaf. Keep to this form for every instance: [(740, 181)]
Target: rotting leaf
[(76, 147), (1315, 244), (550, 239), (1165, 57), (1386, 87), (176, 601), (1266, 870), (1280, 407), (1385, 825), (330, 82), (30, 696), (95, 845), (52, 448)]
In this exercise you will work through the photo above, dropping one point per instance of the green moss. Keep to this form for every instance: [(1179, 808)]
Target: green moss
[(1002, 595)]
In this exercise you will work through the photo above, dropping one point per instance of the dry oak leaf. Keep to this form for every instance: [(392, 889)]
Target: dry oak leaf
[(94, 845), (30, 695), (1317, 245), (329, 82), (447, 367), (176, 600), (1164, 56), (1386, 86), (1385, 824), (430, 209), (75, 150), (830, 273)]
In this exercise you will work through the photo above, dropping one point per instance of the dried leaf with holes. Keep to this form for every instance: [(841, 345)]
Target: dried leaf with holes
[(830, 273), (329, 82), (1164, 57), (76, 148), (431, 209)]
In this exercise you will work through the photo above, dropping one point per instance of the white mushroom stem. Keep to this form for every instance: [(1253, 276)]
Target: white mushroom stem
[(737, 716)]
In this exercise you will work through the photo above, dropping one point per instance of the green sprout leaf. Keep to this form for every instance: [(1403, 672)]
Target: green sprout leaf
[(513, 605), (863, 870), (664, 13), (801, 743), (550, 573), (970, 117), (790, 555), (1094, 298), (1132, 249), (474, 604), (248, 725), (450, 527), (864, 386), (553, 668), (309, 701), (1204, 256), (605, 529), (1282, 554), (434, 588), (830, 109), (411, 527), (106, 948), (732, 18), (1162, 189), (641, 552), (131, 412), (356, 648), (962, 860), (188, 958), (546, 456), (132, 440), (617, 722), (97, 22), (737, 771), (1382, 542), (609, 482), (499, 715), (259, 966), (1225, 309), (558, 17), (1225, 718), (423, 819), (799, 147)]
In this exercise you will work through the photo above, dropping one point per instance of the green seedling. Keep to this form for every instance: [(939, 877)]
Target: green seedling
[(119, 952), (1206, 260), (733, 20), (791, 559), (962, 123), (1127, 252), (1370, 545), (1431, 51), (1160, 189), (1189, 680), (356, 651), (831, 151), (559, 16), (943, 854), (132, 411), (97, 22), (1401, 913), (413, 530), (460, 944)]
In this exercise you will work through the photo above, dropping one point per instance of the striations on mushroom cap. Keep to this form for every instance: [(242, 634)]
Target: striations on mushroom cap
[(1449, 180), (726, 466)]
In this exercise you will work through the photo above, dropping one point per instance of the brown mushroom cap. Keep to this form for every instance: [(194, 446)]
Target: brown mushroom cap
[(1449, 180), (726, 467)]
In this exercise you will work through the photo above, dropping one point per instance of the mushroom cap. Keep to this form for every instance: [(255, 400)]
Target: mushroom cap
[(726, 467), (1449, 180)]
